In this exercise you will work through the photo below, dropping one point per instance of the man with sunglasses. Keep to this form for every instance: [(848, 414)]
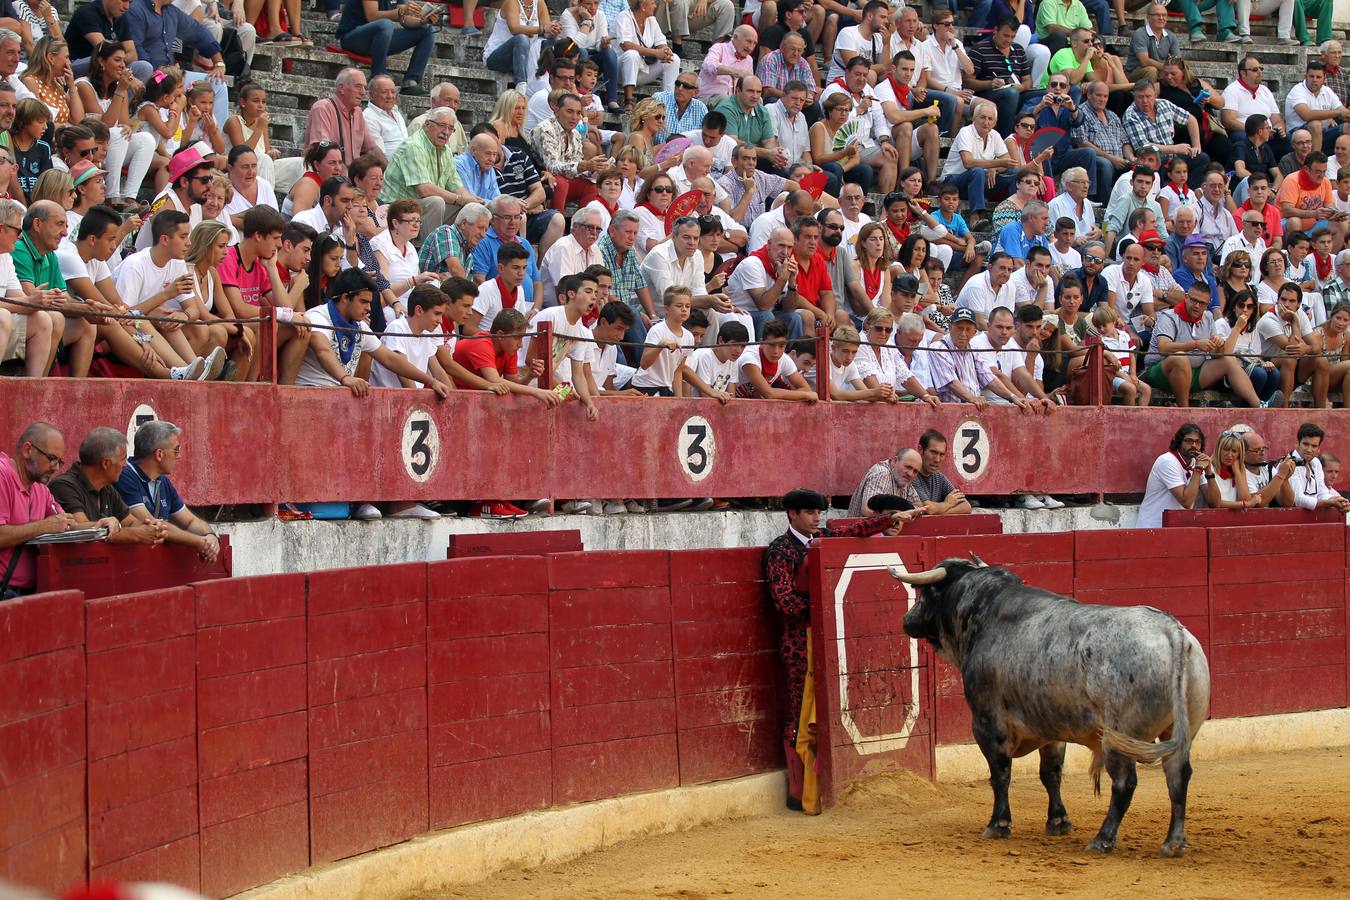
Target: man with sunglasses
[(572, 254), (684, 111), (27, 509), (1247, 96), (948, 67), (1089, 275)]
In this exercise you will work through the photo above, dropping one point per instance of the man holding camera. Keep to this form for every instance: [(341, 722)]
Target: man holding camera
[(1306, 487)]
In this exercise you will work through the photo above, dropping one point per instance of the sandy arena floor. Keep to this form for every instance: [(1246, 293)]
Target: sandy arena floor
[(1259, 826)]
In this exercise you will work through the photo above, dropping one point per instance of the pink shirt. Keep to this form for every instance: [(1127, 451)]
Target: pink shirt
[(709, 82), (20, 507), (326, 122), (253, 284)]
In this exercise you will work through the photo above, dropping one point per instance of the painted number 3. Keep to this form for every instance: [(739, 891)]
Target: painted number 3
[(697, 448), (972, 450), (421, 445)]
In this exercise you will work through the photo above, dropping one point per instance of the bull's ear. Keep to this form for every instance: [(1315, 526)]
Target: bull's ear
[(979, 563)]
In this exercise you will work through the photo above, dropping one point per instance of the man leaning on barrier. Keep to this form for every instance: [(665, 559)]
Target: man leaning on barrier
[(151, 497), (87, 491), (27, 508)]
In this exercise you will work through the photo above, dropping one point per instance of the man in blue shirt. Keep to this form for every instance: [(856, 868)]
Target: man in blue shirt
[(1016, 238), (1195, 266), (1058, 110), (507, 215), (477, 168), (154, 25), (145, 487)]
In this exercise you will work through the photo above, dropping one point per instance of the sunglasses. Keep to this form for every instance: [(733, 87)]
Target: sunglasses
[(881, 329), (686, 85), (663, 189), (1095, 259)]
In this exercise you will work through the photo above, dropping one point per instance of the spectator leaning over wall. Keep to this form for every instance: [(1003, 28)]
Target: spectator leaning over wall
[(1307, 487), (150, 495), (88, 491), (27, 508)]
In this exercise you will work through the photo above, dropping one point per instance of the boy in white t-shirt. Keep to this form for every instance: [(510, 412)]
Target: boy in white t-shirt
[(711, 371), (1063, 255), (611, 375), (846, 382), (1133, 390), (405, 336), (668, 344), (765, 371), (1283, 333), (506, 291), (570, 353)]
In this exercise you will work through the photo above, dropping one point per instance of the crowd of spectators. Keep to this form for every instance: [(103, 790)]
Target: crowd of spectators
[(1197, 234)]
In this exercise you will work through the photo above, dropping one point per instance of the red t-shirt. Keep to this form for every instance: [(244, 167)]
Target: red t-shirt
[(481, 352), (810, 282), (253, 284)]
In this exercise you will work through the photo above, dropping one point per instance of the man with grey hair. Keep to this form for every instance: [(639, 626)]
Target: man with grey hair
[(424, 170), (1016, 238), (38, 274), (619, 254), (891, 479), (11, 48), (508, 218), (1337, 78), (478, 168), (446, 251), (911, 333), (27, 509), (1337, 290), (339, 118), (384, 120), (677, 262), (574, 253), (695, 163), (88, 491), (445, 95), (1072, 203), (151, 497)]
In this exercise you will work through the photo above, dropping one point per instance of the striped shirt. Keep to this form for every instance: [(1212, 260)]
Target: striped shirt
[(880, 479), (989, 61), (518, 175)]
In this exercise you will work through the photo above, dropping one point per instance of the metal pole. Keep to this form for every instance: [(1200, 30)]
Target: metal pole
[(267, 334), (543, 343)]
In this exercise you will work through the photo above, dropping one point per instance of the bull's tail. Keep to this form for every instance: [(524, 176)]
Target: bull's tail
[(1151, 752)]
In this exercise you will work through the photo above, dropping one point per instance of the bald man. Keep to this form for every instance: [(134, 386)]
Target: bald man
[(894, 476), (478, 168)]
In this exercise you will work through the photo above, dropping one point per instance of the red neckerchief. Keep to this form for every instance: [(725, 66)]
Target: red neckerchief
[(1181, 191), (1251, 91), (1180, 310), (833, 251), (901, 91), (1187, 467), (591, 318), (900, 232), (1331, 73), (1323, 267), (660, 216), (609, 208), (769, 370), (762, 254), (1225, 472), (505, 292), (1152, 270), (1305, 182), (872, 281), (856, 97)]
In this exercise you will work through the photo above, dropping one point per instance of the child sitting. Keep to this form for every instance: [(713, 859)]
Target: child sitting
[(845, 382), (1132, 390), (711, 371), (767, 372)]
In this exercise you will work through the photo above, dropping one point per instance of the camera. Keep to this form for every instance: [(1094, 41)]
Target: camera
[(1298, 460), (1056, 99)]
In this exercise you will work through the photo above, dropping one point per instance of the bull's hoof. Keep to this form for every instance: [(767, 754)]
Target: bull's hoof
[(1100, 845), (1174, 849), (997, 830), (1058, 826)]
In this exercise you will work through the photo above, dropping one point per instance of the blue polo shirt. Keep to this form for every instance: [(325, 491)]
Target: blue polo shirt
[(1013, 241), (484, 260), (157, 495), (1184, 279), (482, 184)]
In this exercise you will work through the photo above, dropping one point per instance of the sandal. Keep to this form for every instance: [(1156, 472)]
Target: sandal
[(615, 107)]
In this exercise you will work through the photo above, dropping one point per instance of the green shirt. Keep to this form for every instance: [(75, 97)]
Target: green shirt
[(751, 127), (419, 161), (38, 269), (1054, 12), (1063, 59)]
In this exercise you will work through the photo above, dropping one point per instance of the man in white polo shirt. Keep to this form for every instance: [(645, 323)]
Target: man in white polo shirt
[(990, 289), (1246, 96), (1312, 105)]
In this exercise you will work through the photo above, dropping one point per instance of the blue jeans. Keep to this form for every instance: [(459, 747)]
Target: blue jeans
[(971, 185), (1100, 10), (861, 175), (765, 316), (946, 109), (637, 335), (979, 13), (1264, 381), (513, 57), (382, 37), (608, 61), (1103, 178)]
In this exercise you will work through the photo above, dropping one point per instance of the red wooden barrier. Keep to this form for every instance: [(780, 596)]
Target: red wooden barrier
[(1164, 568), (1277, 597), (488, 688), (42, 741), (367, 708), (252, 738), (725, 641), (1239, 518), (516, 543), (143, 818), (409, 447), (873, 686), (945, 526), (613, 691), (97, 569)]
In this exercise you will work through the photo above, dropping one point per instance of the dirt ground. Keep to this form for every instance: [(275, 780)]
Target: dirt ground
[(1259, 826)]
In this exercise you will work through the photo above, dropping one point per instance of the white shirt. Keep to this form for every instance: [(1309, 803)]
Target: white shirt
[(267, 196), (565, 257), (537, 110), (1024, 293), (721, 153), (750, 357), (851, 39), (1239, 242), (968, 139), (918, 48), (397, 266), (1128, 296), (314, 375), (845, 378), (625, 29), (1309, 485), (792, 133), (749, 275), (1240, 100), (387, 128), (661, 373), (489, 302), (885, 364), (871, 124), (1065, 259), (139, 279), (663, 269), (398, 337), (1325, 99), (683, 184), (1125, 185), (650, 228), (851, 229), (1062, 207), (1006, 360), (944, 66), (1167, 473), (585, 38), (763, 226), (73, 267), (718, 375), (145, 238), (979, 295), (1247, 341), (1271, 326), (565, 346)]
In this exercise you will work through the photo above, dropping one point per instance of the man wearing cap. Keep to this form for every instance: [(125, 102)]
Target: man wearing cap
[(962, 377), (1195, 266), (1215, 207), (1249, 238), (189, 173), (792, 604)]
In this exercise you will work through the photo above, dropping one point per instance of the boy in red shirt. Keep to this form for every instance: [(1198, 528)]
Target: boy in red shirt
[(492, 357)]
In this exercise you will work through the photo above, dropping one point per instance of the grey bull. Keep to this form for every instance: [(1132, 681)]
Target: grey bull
[(1040, 670)]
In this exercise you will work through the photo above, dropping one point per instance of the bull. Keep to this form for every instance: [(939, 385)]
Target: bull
[(1129, 683)]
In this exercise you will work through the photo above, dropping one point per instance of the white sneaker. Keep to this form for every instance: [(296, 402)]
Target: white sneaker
[(416, 511), (538, 506), (1028, 501), (215, 362), (634, 506), (1050, 502), (365, 512), (614, 508), (576, 506), (191, 372)]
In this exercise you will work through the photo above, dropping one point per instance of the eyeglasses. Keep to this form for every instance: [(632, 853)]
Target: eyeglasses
[(1257, 222), (409, 221), (52, 458), (585, 227), (1241, 265), (663, 189), (88, 152), (881, 329), (1254, 69), (1026, 124)]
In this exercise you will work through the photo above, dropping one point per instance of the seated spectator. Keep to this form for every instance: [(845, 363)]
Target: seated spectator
[(667, 345), (684, 109), (188, 177), (914, 127), (940, 496), (322, 161), (644, 55), (1002, 71), (611, 375), (877, 148), (711, 371), (1034, 283), (1101, 132), (572, 254), (978, 159), (1300, 140), (478, 167), (683, 17), (91, 24), (571, 351), (1285, 334), (726, 64), (446, 95), (1007, 386), (150, 496), (759, 284), (378, 28), (1141, 181), (1152, 122), (767, 372), (1179, 352), (792, 129), (1122, 346), (890, 477), (249, 129), (884, 368), (505, 229), (562, 76), (447, 250), (155, 26), (1174, 482), (37, 273), (618, 250), (333, 356), (1307, 487), (1265, 480), (424, 170), (1254, 153), (517, 34), (749, 190), (1306, 199), (27, 508), (384, 120), (340, 120), (1311, 104), (866, 36), (959, 376), (1017, 238), (1259, 200), (32, 155), (785, 64), (520, 180), (566, 154), (88, 491), (795, 205), (505, 291), (677, 263), (988, 290)]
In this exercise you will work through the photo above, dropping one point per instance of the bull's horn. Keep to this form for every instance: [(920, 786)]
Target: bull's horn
[(932, 576), (975, 559)]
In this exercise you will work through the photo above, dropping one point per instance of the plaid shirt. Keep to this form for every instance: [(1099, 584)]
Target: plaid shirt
[(1141, 132), (767, 187), (1108, 136), (880, 479), (628, 277), (1340, 84), (439, 246), (775, 73), (692, 120), (1335, 291)]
